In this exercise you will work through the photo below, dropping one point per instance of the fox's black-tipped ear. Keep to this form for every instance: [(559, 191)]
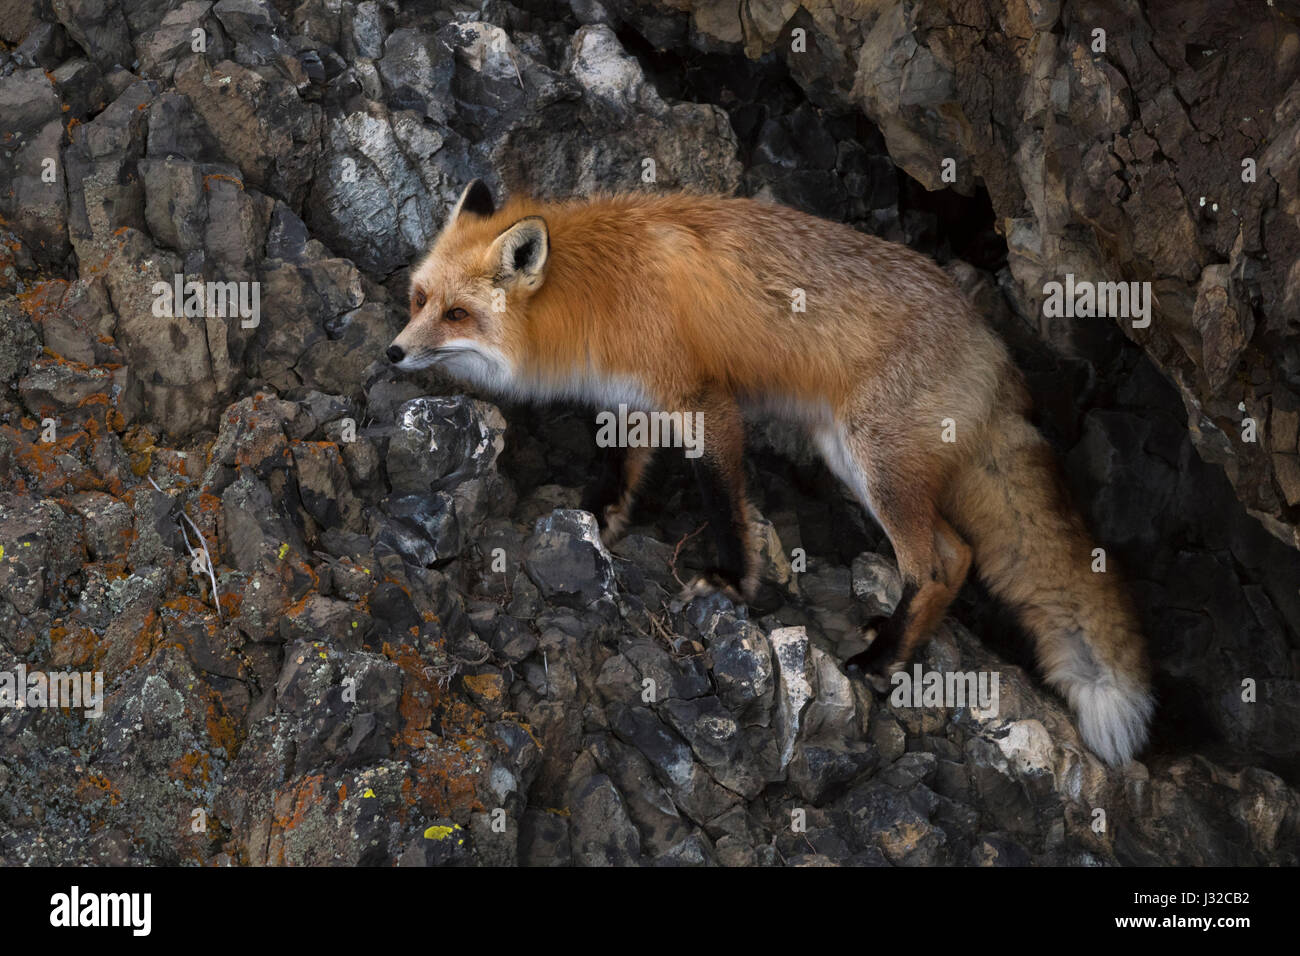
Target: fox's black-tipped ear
[(522, 250), (476, 200)]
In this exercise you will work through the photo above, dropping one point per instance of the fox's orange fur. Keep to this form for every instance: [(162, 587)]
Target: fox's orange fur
[(686, 302)]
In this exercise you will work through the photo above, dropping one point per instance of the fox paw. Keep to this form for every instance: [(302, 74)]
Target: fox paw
[(713, 582), (612, 521), (876, 663)]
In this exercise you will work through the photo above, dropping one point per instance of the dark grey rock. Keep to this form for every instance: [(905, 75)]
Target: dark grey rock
[(99, 27), (567, 562), (601, 833)]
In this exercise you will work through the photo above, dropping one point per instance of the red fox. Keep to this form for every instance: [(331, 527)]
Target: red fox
[(716, 305)]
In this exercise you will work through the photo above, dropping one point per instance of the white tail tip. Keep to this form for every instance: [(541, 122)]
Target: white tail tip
[(1113, 716)]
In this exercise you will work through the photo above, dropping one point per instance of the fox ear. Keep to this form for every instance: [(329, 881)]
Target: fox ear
[(476, 200), (520, 253)]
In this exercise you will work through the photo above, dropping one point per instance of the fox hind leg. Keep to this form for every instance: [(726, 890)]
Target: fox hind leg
[(933, 559), (933, 563)]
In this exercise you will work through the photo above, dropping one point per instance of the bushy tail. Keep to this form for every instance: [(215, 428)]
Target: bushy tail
[(1031, 549)]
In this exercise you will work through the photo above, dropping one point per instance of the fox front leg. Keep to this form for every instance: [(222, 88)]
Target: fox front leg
[(720, 471), (614, 496)]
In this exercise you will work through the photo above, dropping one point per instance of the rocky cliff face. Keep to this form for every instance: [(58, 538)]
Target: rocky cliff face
[(345, 616)]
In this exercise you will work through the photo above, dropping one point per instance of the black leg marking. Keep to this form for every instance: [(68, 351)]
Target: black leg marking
[(721, 512), (608, 486), (889, 632)]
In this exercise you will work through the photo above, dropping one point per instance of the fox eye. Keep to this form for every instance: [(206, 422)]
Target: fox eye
[(419, 299), (455, 315)]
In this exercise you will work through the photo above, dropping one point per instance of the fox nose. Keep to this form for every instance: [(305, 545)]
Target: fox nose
[(395, 354)]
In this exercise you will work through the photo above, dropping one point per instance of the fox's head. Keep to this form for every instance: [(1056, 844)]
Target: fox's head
[(470, 293)]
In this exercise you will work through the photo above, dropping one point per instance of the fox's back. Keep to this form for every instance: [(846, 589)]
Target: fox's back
[(761, 296)]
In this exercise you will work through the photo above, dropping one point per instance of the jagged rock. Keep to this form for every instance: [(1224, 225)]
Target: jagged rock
[(829, 593), (415, 67), (441, 443), (108, 524), (256, 27), (173, 37), (381, 185), (316, 342), (876, 584), (21, 19), (99, 27), (323, 485), (56, 390), (366, 30), (673, 678), (649, 805), (42, 548), (80, 330), (795, 675), (263, 127), (35, 203), (567, 561), (205, 207), (82, 87), (602, 834), (716, 739), (691, 145), (691, 786), (743, 671), (253, 525), (441, 466), (19, 344), (104, 190), (816, 768), (896, 823)]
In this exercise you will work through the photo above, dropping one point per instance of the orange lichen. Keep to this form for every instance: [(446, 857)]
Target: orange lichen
[(418, 694), (444, 782), (193, 768), (230, 603), (185, 604), (95, 786), (41, 460), (487, 686), (75, 647), (305, 795), (223, 731), (139, 443), (223, 176), (42, 299), (147, 639)]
